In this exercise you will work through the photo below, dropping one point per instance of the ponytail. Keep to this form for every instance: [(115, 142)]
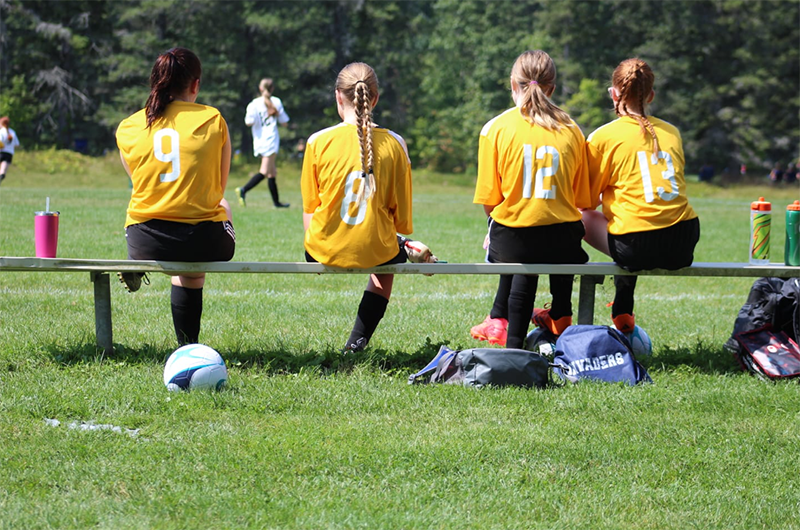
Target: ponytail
[(174, 71), (535, 73), (266, 86)]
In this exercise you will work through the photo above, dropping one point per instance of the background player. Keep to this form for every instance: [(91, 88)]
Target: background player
[(263, 115), (178, 154), (8, 142), (531, 181), (356, 186), (636, 163)]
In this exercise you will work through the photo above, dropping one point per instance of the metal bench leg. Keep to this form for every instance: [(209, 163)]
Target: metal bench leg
[(102, 311), (586, 298)]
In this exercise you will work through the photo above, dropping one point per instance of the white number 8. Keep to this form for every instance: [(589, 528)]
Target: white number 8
[(350, 197), (174, 155)]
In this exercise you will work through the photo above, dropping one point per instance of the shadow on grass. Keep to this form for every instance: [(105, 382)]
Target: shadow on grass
[(275, 361), (705, 358)]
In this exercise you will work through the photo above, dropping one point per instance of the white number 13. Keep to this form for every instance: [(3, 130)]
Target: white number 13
[(174, 155), (668, 175)]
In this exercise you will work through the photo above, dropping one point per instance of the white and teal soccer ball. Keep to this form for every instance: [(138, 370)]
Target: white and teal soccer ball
[(195, 367), (640, 341)]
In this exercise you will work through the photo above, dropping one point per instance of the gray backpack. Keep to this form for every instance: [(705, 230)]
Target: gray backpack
[(479, 367)]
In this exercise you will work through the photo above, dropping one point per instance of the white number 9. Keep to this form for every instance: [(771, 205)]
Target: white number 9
[(174, 155)]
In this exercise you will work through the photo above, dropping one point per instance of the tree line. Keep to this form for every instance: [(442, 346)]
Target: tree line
[(727, 71)]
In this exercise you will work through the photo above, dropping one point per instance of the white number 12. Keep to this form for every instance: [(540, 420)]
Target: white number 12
[(548, 171)]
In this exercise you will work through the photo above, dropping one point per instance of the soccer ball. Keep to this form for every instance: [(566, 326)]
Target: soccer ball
[(541, 341), (195, 367), (640, 341)]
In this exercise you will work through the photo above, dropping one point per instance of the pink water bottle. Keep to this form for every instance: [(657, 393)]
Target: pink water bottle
[(45, 226)]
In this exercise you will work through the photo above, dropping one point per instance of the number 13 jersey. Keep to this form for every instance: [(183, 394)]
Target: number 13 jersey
[(175, 164), (640, 193), (344, 232)]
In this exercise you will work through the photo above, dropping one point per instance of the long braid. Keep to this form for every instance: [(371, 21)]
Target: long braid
[(363, 108), (634, 80)]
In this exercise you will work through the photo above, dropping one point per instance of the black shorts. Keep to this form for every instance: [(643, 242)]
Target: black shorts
[(171, 241), (402, 255), (6, 157), (668, 248), (558, 243)]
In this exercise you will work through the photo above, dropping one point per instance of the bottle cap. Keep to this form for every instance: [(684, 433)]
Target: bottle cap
[(795, 206), (761, 205)]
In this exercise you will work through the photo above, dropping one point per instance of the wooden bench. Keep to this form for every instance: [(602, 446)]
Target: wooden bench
[(591, 274)]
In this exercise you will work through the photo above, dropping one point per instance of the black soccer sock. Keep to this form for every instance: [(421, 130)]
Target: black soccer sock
[(561, 290), (500, 305), (273, 189), (520, 307), (187, 309), (623, 300), (370, 312), (252, 183)]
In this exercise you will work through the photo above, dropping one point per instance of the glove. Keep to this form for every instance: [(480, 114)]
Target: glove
[(418, 252)]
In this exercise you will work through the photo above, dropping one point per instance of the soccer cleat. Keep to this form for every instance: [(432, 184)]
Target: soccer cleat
[(493, 330), (240, 194), (133, 280), (359, 345), (281, 205), (624, 322), (418, 252), (541, 317)]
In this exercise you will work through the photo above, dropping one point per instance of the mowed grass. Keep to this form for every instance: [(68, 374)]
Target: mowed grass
[(304, 437)]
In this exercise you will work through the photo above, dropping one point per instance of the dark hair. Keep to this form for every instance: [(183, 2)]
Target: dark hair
[(175, 70)]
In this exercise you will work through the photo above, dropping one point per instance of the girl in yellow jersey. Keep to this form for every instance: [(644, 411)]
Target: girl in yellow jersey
[(356, 186), (636, 165), (531, 181), (177, 153)]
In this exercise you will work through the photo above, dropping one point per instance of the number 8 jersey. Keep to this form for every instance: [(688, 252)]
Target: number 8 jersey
[(175, 164), (641, 192), (345, 232), (533, 176)]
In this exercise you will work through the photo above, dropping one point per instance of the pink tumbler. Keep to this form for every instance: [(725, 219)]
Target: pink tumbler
[(46, 232)]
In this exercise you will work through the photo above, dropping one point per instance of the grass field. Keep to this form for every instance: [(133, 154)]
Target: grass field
[(304, 437)]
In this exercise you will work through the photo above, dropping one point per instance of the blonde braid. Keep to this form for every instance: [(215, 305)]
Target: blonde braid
[(363, 108)]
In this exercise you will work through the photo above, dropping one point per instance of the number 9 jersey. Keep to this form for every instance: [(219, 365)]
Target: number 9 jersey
[(531, 175), (641, 192), (345, 232), (175, 164)]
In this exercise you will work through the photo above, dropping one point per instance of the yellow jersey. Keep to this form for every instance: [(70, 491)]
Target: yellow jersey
[(175, 164), (533, 177), (344, 232), (640, 191)]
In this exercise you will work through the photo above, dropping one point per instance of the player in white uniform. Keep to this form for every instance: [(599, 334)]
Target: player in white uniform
[(8, 142), (263, 116)]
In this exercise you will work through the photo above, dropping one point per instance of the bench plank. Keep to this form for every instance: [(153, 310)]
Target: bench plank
[(591, 275), (597, 268)]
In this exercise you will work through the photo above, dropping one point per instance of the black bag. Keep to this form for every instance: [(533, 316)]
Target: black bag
[(769, 355), (479, 367), (771, 302)]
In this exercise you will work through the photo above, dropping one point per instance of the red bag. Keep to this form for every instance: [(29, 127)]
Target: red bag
[(769, 355)]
